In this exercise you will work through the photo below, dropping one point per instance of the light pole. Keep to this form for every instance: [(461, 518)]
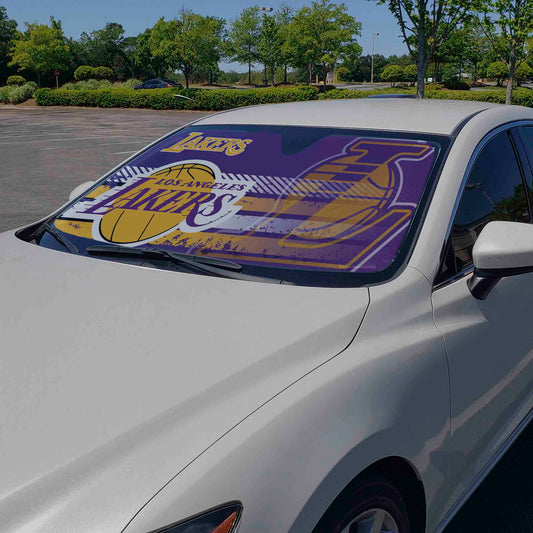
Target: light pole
[(374, 35), (266, 10)]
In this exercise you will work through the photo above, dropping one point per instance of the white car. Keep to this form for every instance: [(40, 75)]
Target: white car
[(296, 318)]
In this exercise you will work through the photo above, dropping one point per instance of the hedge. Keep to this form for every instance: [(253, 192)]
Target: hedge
[(221, 99), (346, 94), (200, 99), (522, 97)]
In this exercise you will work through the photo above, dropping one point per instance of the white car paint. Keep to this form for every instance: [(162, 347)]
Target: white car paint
[(117, 416), (504, 245), (147, 369)]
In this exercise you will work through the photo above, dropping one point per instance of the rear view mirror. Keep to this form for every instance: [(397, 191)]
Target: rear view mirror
[(80, 189), (502, 249)]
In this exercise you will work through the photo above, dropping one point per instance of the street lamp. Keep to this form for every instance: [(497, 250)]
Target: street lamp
[(374, 35), (266, 10)]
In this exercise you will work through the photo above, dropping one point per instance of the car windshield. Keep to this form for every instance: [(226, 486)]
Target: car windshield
[(315, 206)]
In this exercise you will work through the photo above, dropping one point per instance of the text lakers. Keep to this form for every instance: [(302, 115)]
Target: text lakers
[(189, 197), (196, 141)]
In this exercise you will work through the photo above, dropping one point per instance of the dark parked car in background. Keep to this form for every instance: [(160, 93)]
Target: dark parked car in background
[(158, 84)]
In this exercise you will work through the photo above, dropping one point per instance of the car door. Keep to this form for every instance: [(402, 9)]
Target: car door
[(489, 343)]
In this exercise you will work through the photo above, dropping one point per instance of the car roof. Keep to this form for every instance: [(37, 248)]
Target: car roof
[(428, 116)]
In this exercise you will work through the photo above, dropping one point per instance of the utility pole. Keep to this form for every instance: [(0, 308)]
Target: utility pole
[(374, 35)]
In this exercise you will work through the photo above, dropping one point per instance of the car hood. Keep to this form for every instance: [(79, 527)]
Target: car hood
[(114, 377)]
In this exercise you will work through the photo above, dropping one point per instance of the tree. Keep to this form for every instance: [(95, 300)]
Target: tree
[(41, 48), (404, 60), (269, 49), (145, 64), (189, 43), (529, 50), (360, 70), (212, 49), (243, 38), (425, 26), (392, 73), (410, 73), (107, 48), (498, 71), (343, 74), (513, 19), (8, 31), (284, 17), (523, 72), (325, 34)]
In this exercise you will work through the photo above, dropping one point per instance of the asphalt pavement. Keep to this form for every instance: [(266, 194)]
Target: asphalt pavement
[(46, 152)]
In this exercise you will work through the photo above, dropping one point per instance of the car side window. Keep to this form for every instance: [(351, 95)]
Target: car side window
[(526, 134), (494, 191)]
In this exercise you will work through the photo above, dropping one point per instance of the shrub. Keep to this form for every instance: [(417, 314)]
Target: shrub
[(129, 84), (15, 80), (410, 73), (345, 94), (87, 85), (17, 95), (392, 73), (84, 72), (13, 94), (343, 73), (29, 90), (32, 84), (103, 73), (498, 71), (434, 86), (202, 99), (4, 95), (456, 85)]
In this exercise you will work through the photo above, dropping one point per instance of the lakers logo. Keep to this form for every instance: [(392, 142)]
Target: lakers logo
[(189, 197), (369, 181)]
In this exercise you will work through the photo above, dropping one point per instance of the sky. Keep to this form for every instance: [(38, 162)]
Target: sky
[(137, 15)]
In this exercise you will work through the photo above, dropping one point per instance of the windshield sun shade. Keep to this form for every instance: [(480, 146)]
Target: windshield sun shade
[(313, 199)]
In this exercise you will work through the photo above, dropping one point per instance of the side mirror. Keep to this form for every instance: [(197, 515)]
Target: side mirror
[(502, 249), (80, 189)]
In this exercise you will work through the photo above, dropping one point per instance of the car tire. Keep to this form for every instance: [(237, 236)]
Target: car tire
[(358, 508)]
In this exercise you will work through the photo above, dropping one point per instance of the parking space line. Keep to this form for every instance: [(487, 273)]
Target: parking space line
[(69, 140), (42, 134), (93, 145)]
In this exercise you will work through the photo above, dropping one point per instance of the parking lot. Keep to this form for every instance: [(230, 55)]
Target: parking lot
[(46, 152)]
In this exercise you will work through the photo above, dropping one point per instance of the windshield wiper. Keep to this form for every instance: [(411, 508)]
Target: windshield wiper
[(61, 239), (201, 263)]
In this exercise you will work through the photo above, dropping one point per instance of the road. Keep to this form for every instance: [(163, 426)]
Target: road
[(46, 152)]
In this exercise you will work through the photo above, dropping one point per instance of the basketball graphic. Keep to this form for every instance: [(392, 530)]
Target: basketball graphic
[(158, 204)]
